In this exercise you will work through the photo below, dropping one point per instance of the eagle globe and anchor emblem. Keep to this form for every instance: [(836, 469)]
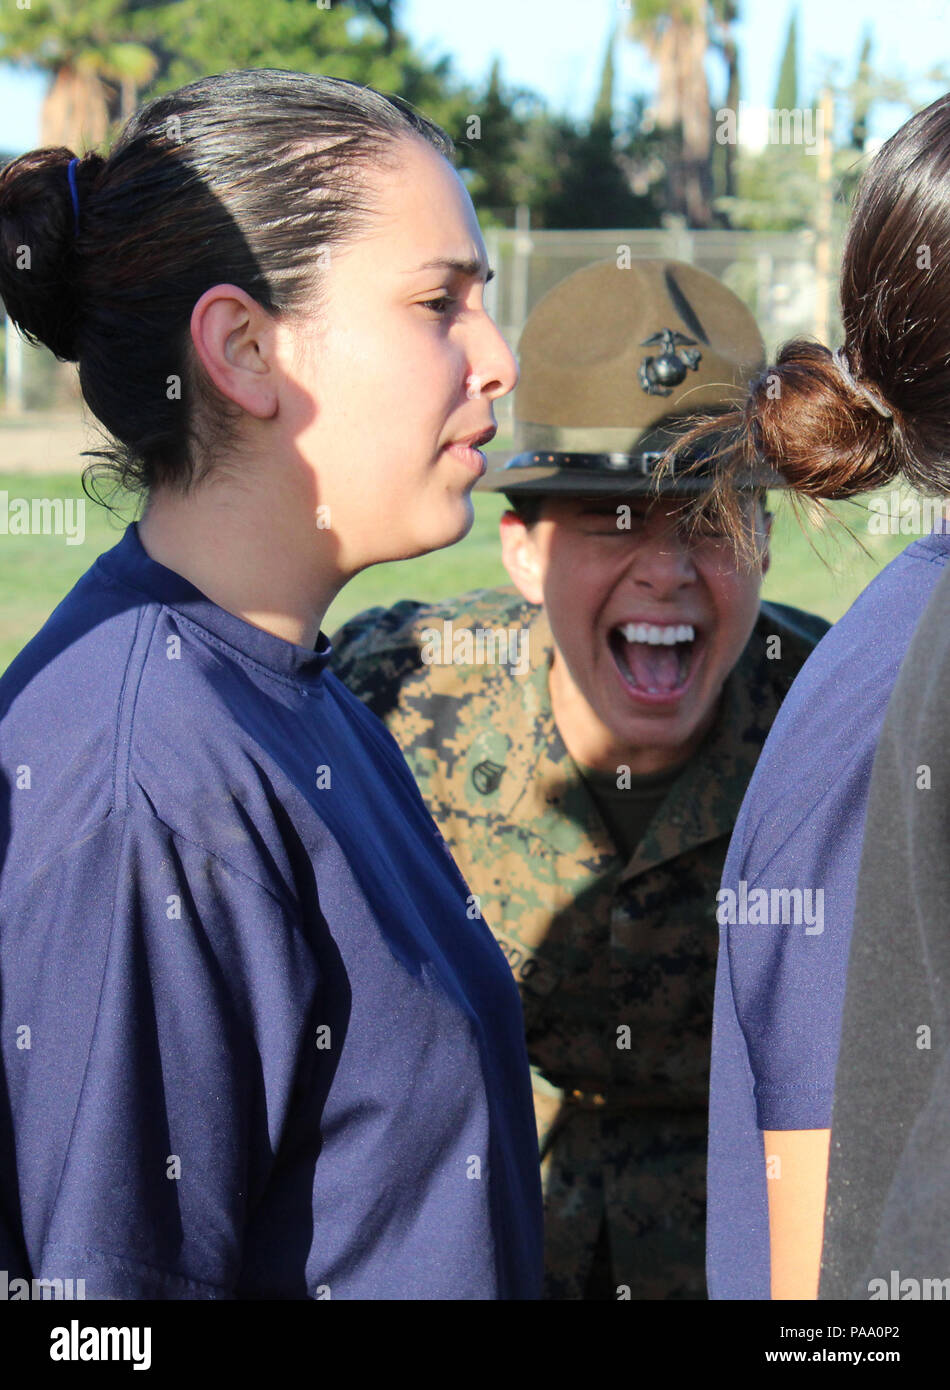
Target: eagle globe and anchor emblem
[(658, 374)]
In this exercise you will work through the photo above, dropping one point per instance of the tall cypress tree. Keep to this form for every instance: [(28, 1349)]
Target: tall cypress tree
[(861, 94), (786, 93), (604, 105)]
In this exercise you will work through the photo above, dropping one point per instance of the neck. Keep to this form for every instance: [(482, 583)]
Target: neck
[(257, 554)]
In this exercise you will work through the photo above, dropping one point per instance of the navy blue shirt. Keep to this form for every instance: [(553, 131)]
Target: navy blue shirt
[(780, 982), (256, 1041)]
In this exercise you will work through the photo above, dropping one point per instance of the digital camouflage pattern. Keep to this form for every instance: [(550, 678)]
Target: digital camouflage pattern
[(615, 961)]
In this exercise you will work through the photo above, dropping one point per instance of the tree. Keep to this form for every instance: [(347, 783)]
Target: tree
[(106, 56), (784, 175), (596, 176), (676, 36), (604, 105), (861, 95), (97, 65), (786, 93), (502, 161), (591, 169), (778, 188), (196, 38), (490, 149), (724, 14), (385, 13)]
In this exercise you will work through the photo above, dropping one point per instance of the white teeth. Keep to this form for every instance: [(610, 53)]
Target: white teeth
[(658, 636)]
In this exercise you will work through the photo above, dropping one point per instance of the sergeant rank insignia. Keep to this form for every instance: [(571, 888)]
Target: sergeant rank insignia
[(487, 776), (660, 373)]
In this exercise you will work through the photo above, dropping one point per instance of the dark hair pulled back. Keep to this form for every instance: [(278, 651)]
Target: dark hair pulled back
[(241, 178), (803, 416)]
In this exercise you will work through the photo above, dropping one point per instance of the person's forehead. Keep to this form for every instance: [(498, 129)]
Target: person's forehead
[(565, 507), (657, 504), (422, 207)]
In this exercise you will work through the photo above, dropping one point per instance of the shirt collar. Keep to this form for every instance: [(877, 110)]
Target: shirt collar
[(128, 563)]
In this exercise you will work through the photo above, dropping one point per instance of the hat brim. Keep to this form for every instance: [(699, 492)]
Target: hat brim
[(553, 478)]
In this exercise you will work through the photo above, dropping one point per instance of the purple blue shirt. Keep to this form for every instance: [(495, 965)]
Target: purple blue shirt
[(256, 1041), (792, 871)]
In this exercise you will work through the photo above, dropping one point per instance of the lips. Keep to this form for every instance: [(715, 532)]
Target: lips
[(468, 452), (655, 661), (475, 441)]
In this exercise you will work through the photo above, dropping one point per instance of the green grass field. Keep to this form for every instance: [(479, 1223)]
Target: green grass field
[(36, 571)]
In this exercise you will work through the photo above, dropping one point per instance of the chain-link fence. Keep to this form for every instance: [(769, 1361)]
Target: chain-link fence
[(33, 380), (774, 273)]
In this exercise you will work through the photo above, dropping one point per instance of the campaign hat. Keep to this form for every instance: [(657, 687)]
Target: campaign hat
[(616, 361)]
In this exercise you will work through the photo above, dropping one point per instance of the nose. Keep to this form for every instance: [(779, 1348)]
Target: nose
[(494, 371), (661, 564)]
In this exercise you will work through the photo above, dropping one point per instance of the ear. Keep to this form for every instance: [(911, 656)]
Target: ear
[(233, 339), (519, 555)]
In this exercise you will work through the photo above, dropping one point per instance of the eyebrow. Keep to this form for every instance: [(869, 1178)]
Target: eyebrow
[(473, 270)]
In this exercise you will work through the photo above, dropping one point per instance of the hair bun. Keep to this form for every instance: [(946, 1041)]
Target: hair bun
[(830, 436), (38, 248)]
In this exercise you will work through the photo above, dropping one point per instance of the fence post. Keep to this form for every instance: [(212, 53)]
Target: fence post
[(681, 241), (519, 268), (491, 289), (823, 221), (764, 271), (14, 369)]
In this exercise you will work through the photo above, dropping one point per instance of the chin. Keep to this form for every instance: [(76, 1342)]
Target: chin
[(674, 731), (458, 522), (433, 539)]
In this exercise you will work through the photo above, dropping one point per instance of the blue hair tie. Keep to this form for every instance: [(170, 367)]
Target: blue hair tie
[(71, 172)]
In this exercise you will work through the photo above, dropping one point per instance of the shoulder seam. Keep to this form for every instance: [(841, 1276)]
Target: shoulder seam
[(248, 878), (125, 722), (210, 639), (286, 903), (205, 849)]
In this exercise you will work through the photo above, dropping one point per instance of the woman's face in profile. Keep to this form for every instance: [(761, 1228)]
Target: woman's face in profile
[(399, 364)]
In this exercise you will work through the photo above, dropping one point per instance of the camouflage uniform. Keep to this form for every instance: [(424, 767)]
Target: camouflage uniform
[(615, 961)]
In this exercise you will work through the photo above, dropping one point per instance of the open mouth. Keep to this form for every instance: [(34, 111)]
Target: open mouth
[(653, 660)]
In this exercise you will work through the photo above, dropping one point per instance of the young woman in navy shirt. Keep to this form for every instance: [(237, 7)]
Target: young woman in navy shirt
[(257, 1041)]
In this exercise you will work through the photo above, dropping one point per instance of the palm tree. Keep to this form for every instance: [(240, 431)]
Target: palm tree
[(96, 65), (675, 33), (724, 16)]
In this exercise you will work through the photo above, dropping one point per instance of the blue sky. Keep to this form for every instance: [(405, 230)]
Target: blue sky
[(556, 47)]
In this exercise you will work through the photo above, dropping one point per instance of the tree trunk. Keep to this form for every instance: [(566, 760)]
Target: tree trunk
[(731, 54), (682, 107), (130, 94), (75, 111)]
